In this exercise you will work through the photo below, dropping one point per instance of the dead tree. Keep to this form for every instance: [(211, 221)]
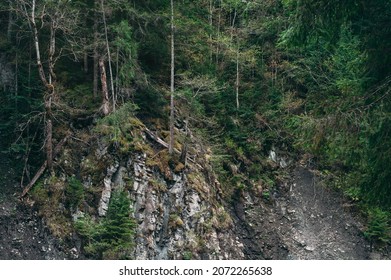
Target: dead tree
[(105, 108)]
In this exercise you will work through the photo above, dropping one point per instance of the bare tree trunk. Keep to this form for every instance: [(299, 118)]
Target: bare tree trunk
[(218, 33), (211, 27), (48, 86), (43, 167), (117, 77), (52, 50), (95, 58), (108, 55), (85, 64), (36, 44), (237, 78), (16, 80), (172, 89), (10, 22), (29, 72), (233, 25), (49, 144), (105, 94)]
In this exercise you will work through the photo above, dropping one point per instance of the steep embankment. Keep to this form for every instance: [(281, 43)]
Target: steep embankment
[(180, 214), (23, 235), (303, 219)]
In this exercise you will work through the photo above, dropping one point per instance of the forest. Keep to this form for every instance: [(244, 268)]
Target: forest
[(98, 97)]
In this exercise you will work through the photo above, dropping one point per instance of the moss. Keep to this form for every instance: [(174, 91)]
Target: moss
[(49, 197), (93, 167), (224, 220), (179, 167), (161, 161), (158, 185), (175, 221), (197, 181)]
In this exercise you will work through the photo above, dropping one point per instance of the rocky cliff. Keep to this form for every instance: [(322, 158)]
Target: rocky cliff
[(176, 200)]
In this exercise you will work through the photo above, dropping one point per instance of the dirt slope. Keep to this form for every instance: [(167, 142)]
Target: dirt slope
[(22, 233), (302, 220)]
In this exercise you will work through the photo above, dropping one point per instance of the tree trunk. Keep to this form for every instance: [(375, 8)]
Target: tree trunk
[(48, 86), (37, 49), (233, 25), (52, 51), (49, 144), (237, 78), (95, 59), (172, 89), (85, 64), (218, 34), (10, 22), (105, 108), (211, 28), (43, 167), (108, 55)]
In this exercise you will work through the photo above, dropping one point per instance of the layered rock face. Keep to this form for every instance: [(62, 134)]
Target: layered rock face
[(176, 200)]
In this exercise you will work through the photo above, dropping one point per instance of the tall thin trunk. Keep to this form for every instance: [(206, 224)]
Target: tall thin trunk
[(10, 22), (95, 59), (172, 89), (105, 94), (16, 80), (237, 78), (117, 77), (218, 33), (29, 72), (108, 55), (85, 61), (233, 25), (211, 27), (48, 85), (52, 50), (36, 44)]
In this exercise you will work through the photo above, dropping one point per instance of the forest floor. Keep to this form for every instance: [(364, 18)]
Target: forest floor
[(23, 235), (304, 220)]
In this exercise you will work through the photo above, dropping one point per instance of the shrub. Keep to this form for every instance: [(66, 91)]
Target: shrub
[(111, 237), (74, 192), (378, 226)]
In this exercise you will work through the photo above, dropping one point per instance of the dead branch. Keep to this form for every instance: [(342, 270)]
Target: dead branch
[(42, 169), (156, 138)]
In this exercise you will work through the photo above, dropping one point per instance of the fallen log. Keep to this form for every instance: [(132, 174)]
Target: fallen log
[(156, 138)]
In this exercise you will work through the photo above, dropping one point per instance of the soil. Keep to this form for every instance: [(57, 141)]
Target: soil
[(23, 235), (303, 220)]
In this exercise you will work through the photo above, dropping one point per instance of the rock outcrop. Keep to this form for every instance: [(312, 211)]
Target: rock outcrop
[(177, 206)]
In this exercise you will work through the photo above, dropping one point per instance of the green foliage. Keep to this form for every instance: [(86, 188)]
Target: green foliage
[(342, 79), (120, 128), (377, 183), (314, 76), (111, 237), (378, 226), (81, 97), (187, 255), (74, 192), (126, 49)]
